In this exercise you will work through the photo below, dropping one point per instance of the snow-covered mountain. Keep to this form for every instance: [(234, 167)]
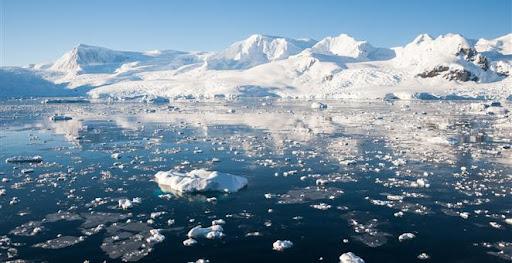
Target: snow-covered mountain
[(450, 56), (501, 45), (256, 50), (499, 51), (86, 59), (346, 46), (337, 67)]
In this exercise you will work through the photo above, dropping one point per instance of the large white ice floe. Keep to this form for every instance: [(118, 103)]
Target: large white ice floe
[(350, 257), (200, 180)]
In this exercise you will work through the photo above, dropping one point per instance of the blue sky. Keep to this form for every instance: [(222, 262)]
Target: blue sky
[(34, 31)]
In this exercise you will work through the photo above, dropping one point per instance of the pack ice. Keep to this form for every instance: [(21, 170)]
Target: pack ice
[(200, 180)]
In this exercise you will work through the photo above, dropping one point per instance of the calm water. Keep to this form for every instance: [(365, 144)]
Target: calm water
[(365, 162)]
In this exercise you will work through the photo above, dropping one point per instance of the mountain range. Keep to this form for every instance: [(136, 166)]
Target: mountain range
[(334, 67)]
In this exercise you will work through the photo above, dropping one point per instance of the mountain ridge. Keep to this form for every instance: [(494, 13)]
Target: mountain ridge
[(337, 66)]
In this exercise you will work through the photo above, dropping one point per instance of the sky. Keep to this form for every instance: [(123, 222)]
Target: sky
[(36, 31)]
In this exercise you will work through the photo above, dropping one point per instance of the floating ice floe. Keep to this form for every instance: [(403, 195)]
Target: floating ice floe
[(189, 242), (60, 242), (281, 245), (27, 171), (406, 236), (212, 232), (155, 236), (57, 117), (24, 159), (423, 256), (130, 241), (124, 204), (200, 181), (321, 206), (350, 257)]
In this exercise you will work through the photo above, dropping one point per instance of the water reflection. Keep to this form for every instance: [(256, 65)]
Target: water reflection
[(361, 171)]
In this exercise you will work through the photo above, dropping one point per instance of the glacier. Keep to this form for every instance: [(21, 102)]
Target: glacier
[(444, 67)]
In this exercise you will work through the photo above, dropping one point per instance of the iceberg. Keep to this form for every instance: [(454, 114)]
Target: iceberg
[(212, 232), (199, 181)]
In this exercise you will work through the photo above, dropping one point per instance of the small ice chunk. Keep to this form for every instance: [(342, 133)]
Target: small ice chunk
[(494, 224), (189, 242), (218, 222), (27, 171), (350, 257), (281, 245), (464, 215), (420, 182), (116, 156), (318, 105), (200, 181), (406, 236), (508, 221), (394, 197), (124, 204), (423, 256), (321, 206), (155, 236)]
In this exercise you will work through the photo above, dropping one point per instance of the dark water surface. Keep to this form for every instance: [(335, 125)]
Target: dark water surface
[(435, 169)]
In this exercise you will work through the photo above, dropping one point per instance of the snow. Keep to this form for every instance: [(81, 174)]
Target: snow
[(350, 257), (502, 45), (200, 181), (20, 82), (446, 67), (255, 50), (280, 245), (346, 46)]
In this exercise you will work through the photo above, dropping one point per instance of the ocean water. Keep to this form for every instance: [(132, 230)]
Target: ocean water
[(439, 170)]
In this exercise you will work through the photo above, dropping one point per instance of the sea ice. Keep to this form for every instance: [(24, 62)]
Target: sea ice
[(60, 242)]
